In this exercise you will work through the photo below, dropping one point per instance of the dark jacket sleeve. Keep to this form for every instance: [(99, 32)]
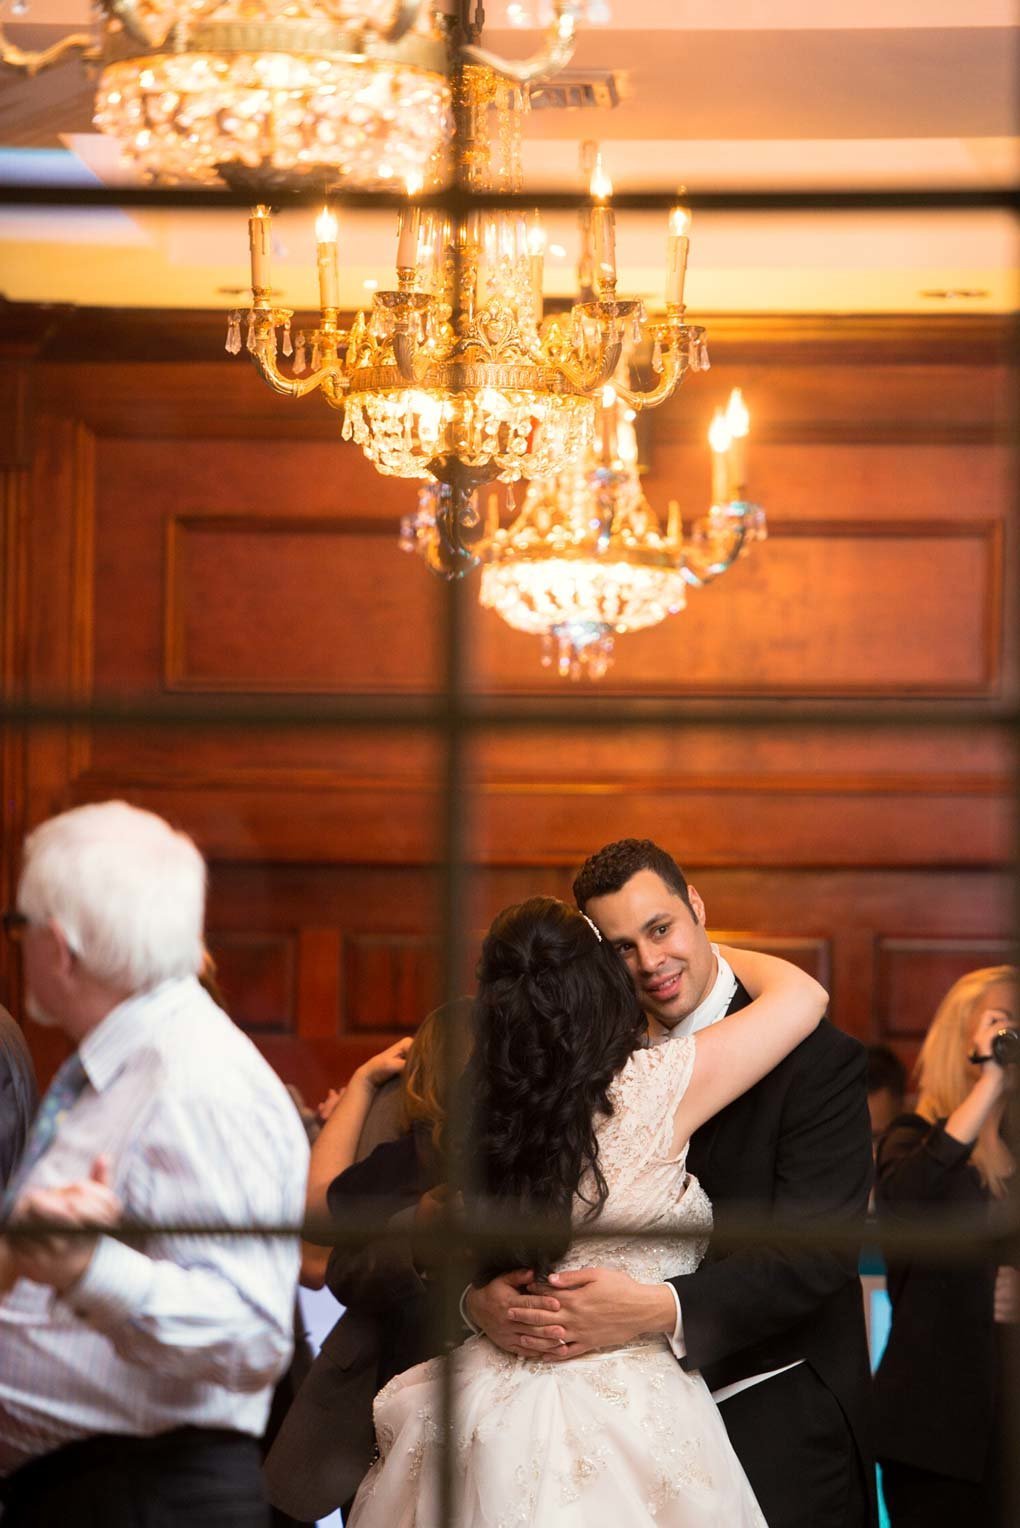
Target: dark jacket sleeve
[(19, 1096), (823, 1172), (387, 1183), (918, 1164)]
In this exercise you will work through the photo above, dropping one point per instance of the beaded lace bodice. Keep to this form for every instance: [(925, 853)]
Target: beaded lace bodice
[(646, 1180)]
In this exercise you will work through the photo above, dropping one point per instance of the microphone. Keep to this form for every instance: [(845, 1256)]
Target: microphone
[(1005, 1049)]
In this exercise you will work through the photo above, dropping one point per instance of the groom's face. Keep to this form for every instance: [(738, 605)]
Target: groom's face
[(662, 942)]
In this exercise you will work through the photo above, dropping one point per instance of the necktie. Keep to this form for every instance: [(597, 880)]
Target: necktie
[(63, 1090)]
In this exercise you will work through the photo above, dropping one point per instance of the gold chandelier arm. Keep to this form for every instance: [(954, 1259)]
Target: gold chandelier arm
[(264, 355), (554, 55), (33, 61), (673, 367), (289, 387), (590, 379), (700, 567)]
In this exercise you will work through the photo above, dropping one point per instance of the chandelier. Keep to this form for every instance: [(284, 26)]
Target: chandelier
[(457, 375), (271, 93), (586, 559)]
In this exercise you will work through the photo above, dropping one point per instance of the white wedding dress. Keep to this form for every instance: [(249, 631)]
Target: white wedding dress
[(619, 1438)]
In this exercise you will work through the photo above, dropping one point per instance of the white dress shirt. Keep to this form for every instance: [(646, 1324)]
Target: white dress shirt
[(188, 1330), (710, 1010)]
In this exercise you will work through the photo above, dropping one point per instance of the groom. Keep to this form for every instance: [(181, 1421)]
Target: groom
[(779, 1337)]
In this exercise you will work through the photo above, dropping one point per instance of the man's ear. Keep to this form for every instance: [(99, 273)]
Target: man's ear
[(697, 905), (64, 956)]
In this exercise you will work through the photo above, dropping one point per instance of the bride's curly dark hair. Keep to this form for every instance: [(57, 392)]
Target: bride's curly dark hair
[(555, 1019)]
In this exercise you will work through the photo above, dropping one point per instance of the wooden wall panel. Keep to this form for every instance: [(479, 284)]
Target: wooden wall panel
[(391, 981), (812, 955), (914, 974), (255, 973), (820, 609), (294, 606)]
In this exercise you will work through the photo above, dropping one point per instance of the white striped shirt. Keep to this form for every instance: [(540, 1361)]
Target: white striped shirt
[(190, 1330)]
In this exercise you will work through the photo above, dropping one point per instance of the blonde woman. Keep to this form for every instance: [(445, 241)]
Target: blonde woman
[(937, 1390)]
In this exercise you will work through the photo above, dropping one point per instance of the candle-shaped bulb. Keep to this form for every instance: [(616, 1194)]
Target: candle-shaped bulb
[(608, 396), (326, 229), (719, 437), (680, 221), (720, 440), (258, 243), (326, 232), (603, 227), (536, 266), (407, 238), (677, 245), (600, 185), (738, 422), (414, 182)]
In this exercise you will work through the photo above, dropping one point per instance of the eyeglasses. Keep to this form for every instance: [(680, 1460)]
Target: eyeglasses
[(14, 924)]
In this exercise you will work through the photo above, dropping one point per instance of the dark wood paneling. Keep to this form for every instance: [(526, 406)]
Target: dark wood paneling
[(914, 974), (873, 859), (391, 981), (812, 955), (865, 404), (255, 974), (319, 990), (295, 606), (819, 609)]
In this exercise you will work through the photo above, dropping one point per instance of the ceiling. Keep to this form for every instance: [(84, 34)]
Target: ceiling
[(714, 94)]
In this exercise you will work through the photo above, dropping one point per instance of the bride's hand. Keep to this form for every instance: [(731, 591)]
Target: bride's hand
[(599, 1308), (388, 1063)]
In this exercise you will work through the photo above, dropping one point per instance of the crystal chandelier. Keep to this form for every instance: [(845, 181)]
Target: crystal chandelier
[(456, 375), (586, 559), (271, 93)]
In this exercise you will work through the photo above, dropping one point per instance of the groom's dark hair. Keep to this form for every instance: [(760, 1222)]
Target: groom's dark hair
[(610, 868)]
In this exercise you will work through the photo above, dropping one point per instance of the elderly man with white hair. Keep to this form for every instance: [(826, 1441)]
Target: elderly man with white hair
[(135, 1379)]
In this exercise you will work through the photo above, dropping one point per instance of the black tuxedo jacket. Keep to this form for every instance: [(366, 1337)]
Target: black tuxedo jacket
[(797, 1146)]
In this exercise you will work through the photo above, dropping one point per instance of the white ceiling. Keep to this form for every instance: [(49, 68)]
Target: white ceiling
[(716, 94)]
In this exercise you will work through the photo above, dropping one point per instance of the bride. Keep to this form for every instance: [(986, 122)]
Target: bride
[(577, 1119)]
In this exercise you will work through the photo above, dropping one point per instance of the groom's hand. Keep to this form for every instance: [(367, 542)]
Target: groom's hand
[(489, 1310), (599, 1308)]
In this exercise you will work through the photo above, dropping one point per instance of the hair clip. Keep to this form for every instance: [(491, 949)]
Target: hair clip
[(595, 930)]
